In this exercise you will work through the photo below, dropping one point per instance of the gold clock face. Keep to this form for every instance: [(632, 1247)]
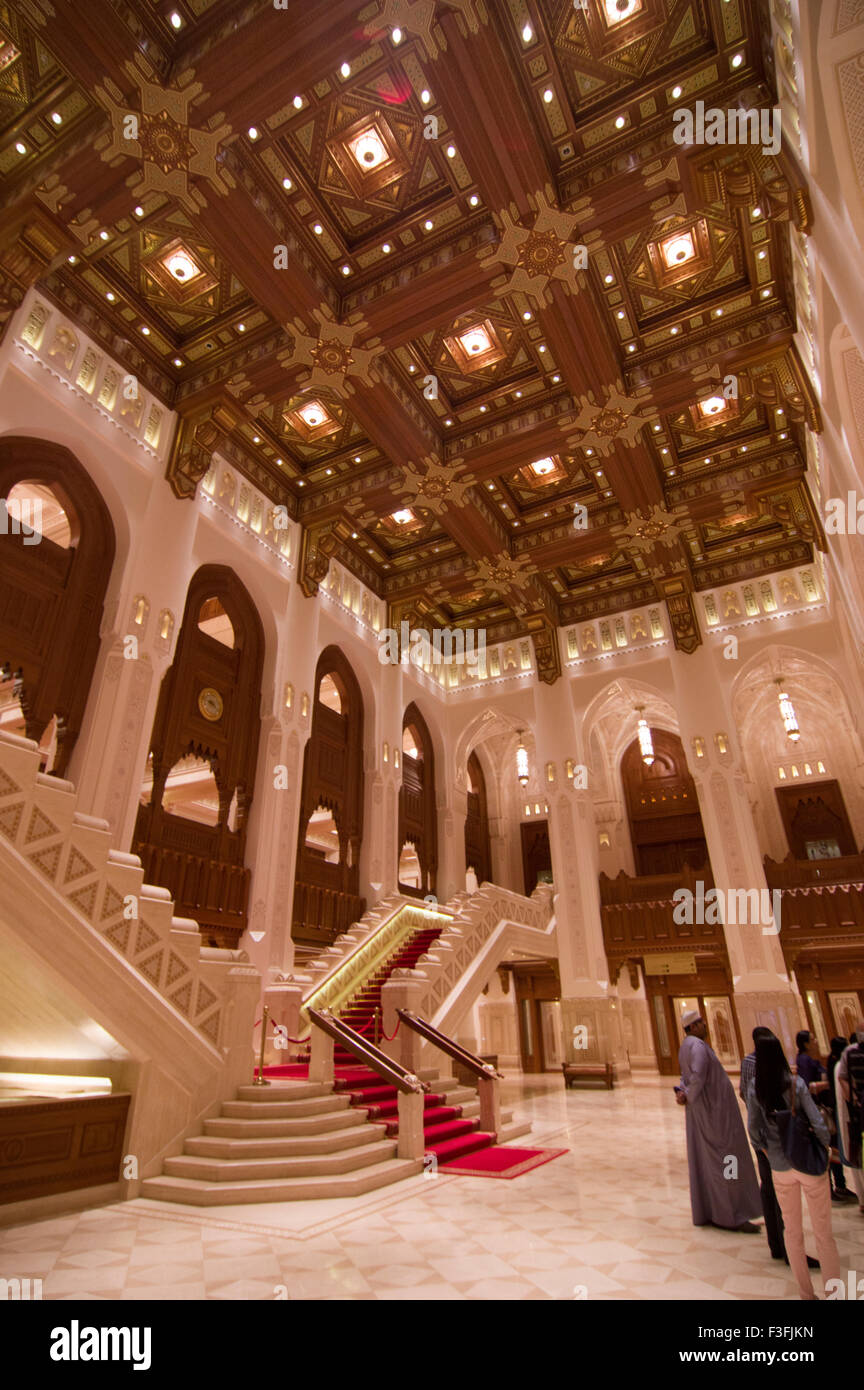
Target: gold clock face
[(210, 704)]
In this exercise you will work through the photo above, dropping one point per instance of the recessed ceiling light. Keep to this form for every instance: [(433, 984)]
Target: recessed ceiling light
[(556, 378), (783, 436), (707, 460), (256, 439), (657, 429), (712, 406), (181, 266), (491, 487), (542, 347), (718, 313), (301, 482), (664, 451), (483, 409), (396, 36), (328, 471), (73, 260), (20, 147), (176, 20), (428, 224), (475, 341), (298, 102), (762, 255), (287, 184), (356, 458), (178, 361), (111, 296), (527, 315), (241, 328), (386, 248), (743, 448), (346, 270), (448, 422), (56, 118), (425, 97), (253, 132), (345, 69), (737, 60), (139, 211), (353, 535), (619, 124), (620, 314), (673, 331), (590, 453), (780, 410), (518, 395), (411, 367), (527, 34), (676, 92), (548, 94), (757, 212), (317, 229), (104, 236), (632, 347), (279, 462), (145, 330), (766, 294), (314, 414), (451, 151), (608, 279)]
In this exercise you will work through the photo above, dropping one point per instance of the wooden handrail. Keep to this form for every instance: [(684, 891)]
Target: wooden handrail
[(453, 1049), (392, 1072)]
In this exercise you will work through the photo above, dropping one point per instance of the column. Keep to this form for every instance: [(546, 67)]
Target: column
[(379, 856), (452, 809), (763, 992), (590, 1010)]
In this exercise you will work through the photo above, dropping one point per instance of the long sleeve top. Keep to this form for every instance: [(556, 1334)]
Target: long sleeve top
[(765, 1134)]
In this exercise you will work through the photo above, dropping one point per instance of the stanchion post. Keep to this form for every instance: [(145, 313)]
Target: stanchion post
[(260, 1079)]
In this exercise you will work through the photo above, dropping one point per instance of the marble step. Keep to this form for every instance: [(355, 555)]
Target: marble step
[(253, 1146), (279, 1109), (226, 1128), (194, 1192), (236, 1170)]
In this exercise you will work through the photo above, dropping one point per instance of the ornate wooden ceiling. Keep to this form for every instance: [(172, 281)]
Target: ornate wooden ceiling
[(440, 260)]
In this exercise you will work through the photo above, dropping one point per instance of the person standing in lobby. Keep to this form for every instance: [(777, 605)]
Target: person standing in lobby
[(723, 1187), (774, 1088)]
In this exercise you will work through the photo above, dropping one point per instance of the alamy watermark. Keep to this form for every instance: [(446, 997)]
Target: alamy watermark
[(459, 646), (714, 126), (22, 516), (733, 907)]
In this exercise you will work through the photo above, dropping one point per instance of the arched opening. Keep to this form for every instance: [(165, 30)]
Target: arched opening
[(213, 620), (417, 808), (478, 853), (326, 892), (56, 552), (410, 873), (665, 822), (191, 826)]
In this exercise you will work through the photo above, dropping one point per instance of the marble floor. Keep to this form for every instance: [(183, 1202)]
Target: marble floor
[(608, 1220)]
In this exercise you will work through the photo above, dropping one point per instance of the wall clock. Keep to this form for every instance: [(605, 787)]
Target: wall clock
[(210, 703)]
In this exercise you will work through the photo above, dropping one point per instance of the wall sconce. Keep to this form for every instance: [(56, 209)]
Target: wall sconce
[(289, 695), (722, 743), (304, 704), (396, 758), (166, 624), (699, 747), (787, 713), (646, 743), (386, 752), (140, 609), (522, 769), (568, 768), (550, 772), (605, 842)]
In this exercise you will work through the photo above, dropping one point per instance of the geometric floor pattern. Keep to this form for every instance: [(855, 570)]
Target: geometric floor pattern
[(610, 1220)]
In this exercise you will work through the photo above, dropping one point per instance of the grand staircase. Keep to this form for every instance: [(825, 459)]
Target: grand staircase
[(295, 1139)]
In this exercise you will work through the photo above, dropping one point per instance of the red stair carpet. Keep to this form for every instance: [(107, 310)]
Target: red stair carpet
[(499, 1161), (446, 1134)]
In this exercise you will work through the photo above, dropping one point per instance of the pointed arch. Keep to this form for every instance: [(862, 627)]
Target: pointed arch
[(53, 594), (478, 849), (418, 816)]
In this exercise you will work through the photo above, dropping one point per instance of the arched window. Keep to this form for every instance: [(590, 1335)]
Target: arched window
[(665, 823), (417, 808), (56, 553), (191, 826), (213, 620), (327, 881), (410, 873)]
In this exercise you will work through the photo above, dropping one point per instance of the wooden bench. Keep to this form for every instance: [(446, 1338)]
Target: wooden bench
[(577, 1072)]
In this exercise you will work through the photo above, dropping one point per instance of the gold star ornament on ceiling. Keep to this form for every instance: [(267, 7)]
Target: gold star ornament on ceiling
[(534, 256), (332, 356), (604, 425), (437, 489)]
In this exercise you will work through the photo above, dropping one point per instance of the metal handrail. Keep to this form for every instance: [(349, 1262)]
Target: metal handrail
[(393, 1072), (453, 1049)]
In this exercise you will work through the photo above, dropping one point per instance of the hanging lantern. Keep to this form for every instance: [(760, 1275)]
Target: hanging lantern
[(787, 714), (522, 770), (646, 744)]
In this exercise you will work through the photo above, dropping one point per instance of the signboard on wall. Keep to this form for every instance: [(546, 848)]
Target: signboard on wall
[(676, 963)]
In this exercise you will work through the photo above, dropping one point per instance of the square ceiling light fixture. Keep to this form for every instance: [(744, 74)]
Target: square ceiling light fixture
[(178, 269), (619, 10), (311, 420), (475, 346), (714, 410), (543, 471), (402, 522), (368, 154), (680, 254)]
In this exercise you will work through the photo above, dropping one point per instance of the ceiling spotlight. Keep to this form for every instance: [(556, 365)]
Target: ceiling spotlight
[(317, 229), (110, 296), (676, 92), (313, 414), (346, 270), (256, 439), (104, 236), (619, 124), (145, 330), (548, 94), (253, 132), (451, 151), (620, 314), (425, 97), (632, 347), (737, 60), (673, 331), (757, 212), (713, 406), (386, 248), (556, 378), (428, 224), (241, 328), (527, 34), (356, 458), (608, 279), (473, 200), (287, 184), (766, 294), (73, 260), (298, 102), (182, 267), (176, 20), (139, 211), (345, 69), (178, 361), (56, 118), (448, 422), (527, 315), (20, 147), (396, 36)]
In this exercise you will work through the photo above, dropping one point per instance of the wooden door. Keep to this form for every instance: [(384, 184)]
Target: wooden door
[(815, 820)]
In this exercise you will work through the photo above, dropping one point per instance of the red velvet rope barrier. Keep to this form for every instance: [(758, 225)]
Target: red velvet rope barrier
[(299, 1041), (390, 1036)]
